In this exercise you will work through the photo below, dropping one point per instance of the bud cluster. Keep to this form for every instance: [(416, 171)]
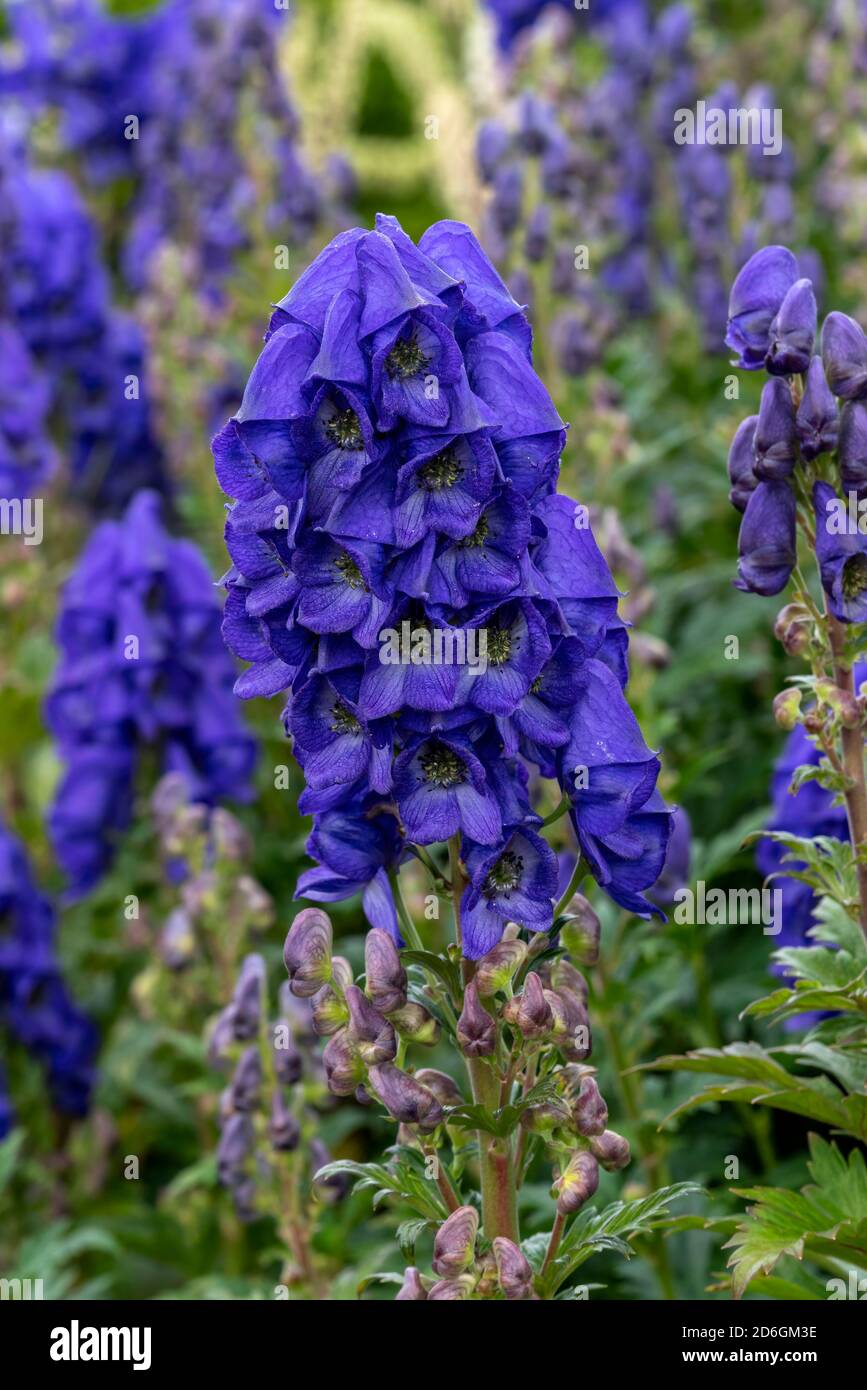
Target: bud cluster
[(268, 1110)]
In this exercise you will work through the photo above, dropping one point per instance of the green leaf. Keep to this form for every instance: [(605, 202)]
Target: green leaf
[(9, 1151), (402, 1180), (407, 1234), (612, 1229), (445, 970), (830, 1213)]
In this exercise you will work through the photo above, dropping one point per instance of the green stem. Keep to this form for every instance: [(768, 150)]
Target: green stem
[(496, 1160), (579, 873), (553, 1243), (403, 913)]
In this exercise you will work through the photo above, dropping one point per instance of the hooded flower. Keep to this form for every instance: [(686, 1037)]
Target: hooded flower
[(405, 571), (142, 664), (35, 1005), (767, 544), (842, 557), (756, 298)]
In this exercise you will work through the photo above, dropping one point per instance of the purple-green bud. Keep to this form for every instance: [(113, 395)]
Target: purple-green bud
[(451, 1290), (544, 1118), (842, 702), (455, 1243), (786, 707), (563, 975), (177, 940), (412, 1289), (446, 1090), (496, 970), (529, 1011), (235, 1146), (328, 1011), (580, 936), (344, 1068), (247, 1082), (288, 1062), (229, 839), (577, 1182), (307, 952), (386, 977), (476, 1031), (403, 1097), (589, 1112), (283, 1128), (221, 1037), (792, 628), (373, 1037), (416, 1025), (514, 1271), (611, 1149), (247, 998)]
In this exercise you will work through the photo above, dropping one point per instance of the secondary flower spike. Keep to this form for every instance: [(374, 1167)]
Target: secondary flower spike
[(394, 466)]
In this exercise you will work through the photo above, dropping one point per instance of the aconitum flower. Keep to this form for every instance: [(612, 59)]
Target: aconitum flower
[(808, 813), (817, 421), (394, 463), (142, 665), (767, 544), (842, 557), (35, 1005), (26, 456), (756, 298), (844, 356)]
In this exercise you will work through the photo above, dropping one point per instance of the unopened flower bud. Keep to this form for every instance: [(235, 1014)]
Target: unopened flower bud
[(412, 1289), (842, 702), (529, 1011), (386, 977), (577, 1182), (247, 998), (307, 952), (283, 1128), (328, 1011), (451, 1290), (496, 970), (403, 1097), (288, 1062), (580, 936), (563, 975), (373, 1037), (177, 940), (344, 1068), (247, 1081), (544, 1118), (228, 836), (455, 1243), (611, 1149), (257, 905), (477, 1031), (590, 1113), (221, 1038), (444, 1088), (786, 707), (514, 1271), (416, 1025), (792, 628), (235, 1146)]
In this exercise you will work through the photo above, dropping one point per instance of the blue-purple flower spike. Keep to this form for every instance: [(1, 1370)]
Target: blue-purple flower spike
[(394, 464)]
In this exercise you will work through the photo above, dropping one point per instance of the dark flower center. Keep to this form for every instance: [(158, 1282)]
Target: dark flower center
[(406, 358), (855, 576), (499, 645), (343, 721), (505, 875), (440, 472), (480, 535), (442, 767), (536, 686), (344, 430), (350, 571)]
